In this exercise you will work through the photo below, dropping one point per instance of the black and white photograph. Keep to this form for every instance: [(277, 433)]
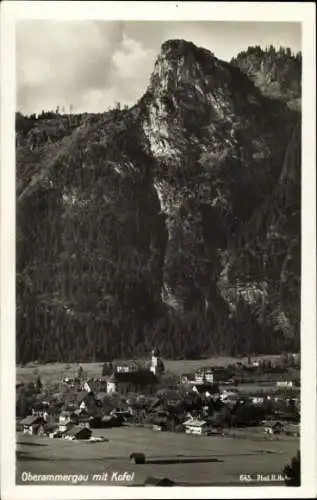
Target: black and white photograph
[(158, 284)]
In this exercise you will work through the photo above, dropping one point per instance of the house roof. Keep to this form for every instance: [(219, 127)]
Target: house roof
[(118, 362), (273, 424), (66, 413), (93, 385), (139, 377), (204, 369), (31, 419), (195, 422), (156, 402), (76, 429), (108, 418), (159, 481)]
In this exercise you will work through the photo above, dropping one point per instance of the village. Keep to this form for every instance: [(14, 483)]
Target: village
[(261, 398)]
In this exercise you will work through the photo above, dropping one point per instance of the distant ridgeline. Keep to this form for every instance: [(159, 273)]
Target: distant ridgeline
[(173, 223), (276, 72)]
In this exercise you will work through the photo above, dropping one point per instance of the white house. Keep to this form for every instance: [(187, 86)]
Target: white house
[(197, 427), (229, 395), (112, 385), (83, 405), (65, 421), (126, 367), (185, 378), (271, 428), (87, 387), (258, 400), (284, 383), (31, 424), (204, 375), (206, 390)]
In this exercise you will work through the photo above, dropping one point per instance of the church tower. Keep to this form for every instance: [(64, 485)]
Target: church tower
[(156, 366)]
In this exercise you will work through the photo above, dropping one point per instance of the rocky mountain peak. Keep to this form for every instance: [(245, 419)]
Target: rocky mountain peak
[(176, 47), (200, 94), (175, 230)]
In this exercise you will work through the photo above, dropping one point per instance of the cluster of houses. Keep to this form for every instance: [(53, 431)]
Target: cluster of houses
[(82, 406), (189, 406), (202, 375), (35, 424)]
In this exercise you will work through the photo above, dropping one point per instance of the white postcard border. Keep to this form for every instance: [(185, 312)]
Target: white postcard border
[(224, 11)]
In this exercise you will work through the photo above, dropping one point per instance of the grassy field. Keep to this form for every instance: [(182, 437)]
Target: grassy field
[(53, 372), (188, 460)]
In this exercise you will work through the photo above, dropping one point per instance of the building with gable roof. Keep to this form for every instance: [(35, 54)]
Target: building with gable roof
[(135, 381)]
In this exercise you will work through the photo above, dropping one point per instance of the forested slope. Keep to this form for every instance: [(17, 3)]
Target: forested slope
[(175, 222)]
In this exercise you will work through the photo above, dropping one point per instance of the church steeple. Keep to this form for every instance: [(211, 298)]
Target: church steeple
[(157, 366)]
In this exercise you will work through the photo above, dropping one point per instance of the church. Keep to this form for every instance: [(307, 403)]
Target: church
[(143, 380), (156, 366)]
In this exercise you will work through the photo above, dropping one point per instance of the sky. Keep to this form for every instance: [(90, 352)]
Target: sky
[(91, 65)]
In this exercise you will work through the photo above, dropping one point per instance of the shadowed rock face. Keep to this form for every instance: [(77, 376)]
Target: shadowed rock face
[(176, 219)]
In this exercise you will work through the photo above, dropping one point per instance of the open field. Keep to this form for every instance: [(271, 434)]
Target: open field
[(188, 460), (257, 388), (53, 372)]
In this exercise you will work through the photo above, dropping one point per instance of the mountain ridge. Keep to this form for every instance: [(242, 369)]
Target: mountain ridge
[(146, 206)]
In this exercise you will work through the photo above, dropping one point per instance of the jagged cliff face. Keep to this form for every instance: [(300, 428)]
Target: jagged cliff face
[(219, 151), (175, 222)]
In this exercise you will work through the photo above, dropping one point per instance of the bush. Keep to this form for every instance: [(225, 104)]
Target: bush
[(107, 369), (292, 471), (246, 415)]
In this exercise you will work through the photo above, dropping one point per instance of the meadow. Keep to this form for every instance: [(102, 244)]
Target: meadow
[(53, 372), (186, 459)]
